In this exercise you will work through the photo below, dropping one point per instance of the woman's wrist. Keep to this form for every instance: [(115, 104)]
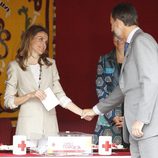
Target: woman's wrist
[(29, 95), (82, 111)]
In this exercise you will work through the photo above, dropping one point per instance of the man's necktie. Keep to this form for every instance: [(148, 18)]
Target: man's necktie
[(126, 46)]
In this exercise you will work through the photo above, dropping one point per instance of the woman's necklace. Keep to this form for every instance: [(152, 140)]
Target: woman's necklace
[(40, 75), (35, 57), (39, 69)]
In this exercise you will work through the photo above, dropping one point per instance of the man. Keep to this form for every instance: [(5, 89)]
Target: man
[(138, 85)]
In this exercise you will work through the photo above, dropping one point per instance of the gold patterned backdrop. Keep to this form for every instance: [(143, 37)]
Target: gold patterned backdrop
[(15, 17)]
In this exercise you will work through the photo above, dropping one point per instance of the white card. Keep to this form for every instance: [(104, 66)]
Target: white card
[(51, 100)]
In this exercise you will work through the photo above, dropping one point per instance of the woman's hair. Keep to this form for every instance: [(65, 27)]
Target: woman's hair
[(22, 53), (126, 13)]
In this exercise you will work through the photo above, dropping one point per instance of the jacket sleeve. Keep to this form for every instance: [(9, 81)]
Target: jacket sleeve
[(113, 100), (57, 88), (11, 86)]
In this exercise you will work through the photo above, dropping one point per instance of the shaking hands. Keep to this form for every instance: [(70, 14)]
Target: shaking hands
[(88, 114)]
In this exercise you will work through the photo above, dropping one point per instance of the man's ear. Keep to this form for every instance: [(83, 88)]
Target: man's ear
[(119, 22)]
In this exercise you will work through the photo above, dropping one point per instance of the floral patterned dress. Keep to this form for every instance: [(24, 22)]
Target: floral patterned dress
[(107, 79)]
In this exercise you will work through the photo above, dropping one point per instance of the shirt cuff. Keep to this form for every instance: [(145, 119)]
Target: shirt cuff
[(96, 110), (64, 101)]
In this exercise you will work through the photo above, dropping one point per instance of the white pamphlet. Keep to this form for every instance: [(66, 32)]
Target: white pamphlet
[(51, 100)]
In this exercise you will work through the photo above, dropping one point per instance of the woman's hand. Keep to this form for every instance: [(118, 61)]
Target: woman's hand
[(36, 94), (40, 94), (118, 120)]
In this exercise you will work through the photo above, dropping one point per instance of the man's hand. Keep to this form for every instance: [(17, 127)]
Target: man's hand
[(137, 129), (88, 114)]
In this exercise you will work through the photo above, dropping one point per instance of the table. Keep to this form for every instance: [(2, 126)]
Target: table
[(125, 154)]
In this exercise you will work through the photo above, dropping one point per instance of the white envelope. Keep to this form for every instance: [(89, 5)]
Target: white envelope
[(51, 100)]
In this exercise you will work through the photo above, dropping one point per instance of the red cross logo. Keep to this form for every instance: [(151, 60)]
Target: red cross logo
[(106, 145), (22, 145)]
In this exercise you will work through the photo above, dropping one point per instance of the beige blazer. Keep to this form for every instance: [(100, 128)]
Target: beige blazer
[(34, 120)]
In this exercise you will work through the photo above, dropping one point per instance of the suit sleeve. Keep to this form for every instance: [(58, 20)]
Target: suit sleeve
[(112, 101), (146, 57)]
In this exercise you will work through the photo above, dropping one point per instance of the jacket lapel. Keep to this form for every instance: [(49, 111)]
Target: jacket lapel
[(129, 48)]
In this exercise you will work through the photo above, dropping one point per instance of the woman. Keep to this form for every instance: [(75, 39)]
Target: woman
[(108, 72), (28, 76)]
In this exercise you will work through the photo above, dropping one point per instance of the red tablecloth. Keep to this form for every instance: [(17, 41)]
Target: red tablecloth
[(114, 154)]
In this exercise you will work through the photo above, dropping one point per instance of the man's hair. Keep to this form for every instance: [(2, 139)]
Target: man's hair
[(126, 13)]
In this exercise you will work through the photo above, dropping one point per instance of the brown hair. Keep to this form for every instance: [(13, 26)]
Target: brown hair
[(126, 13), (22, 53)]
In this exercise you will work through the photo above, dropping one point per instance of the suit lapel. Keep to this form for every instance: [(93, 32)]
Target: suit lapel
[(125, 58), (129, 49)]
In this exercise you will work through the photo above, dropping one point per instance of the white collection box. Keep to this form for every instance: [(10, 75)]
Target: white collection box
[(70, 145), (19, 144), (105, 145)]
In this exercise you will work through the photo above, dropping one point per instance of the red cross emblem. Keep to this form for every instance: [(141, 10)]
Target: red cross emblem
[(22, 145), (107, 146)]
